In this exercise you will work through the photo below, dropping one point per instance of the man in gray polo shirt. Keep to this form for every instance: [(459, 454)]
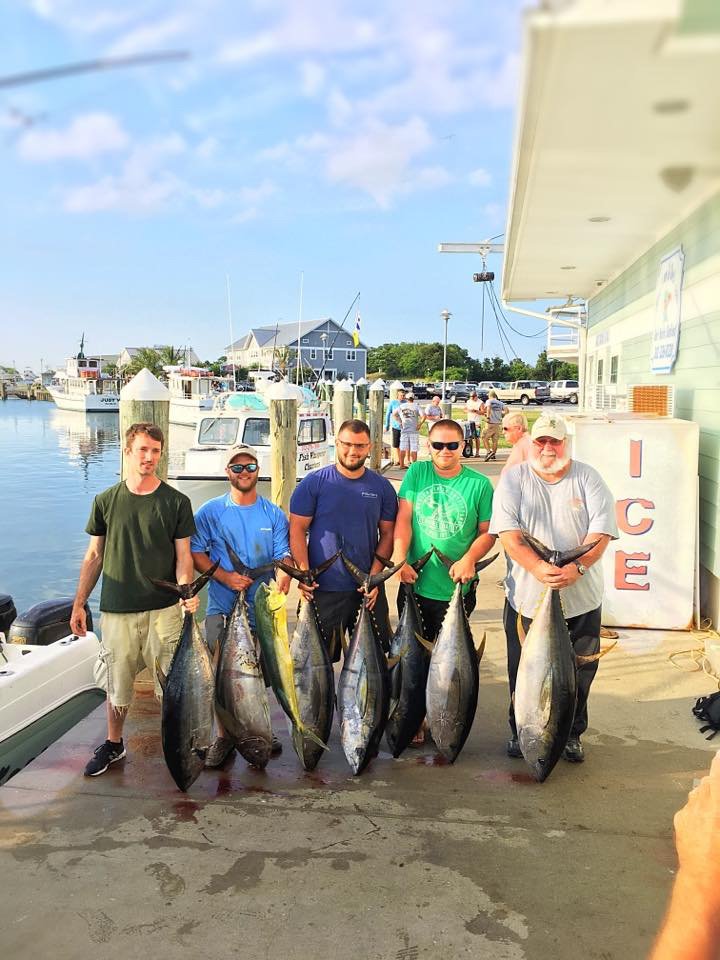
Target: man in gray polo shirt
[(562, 503)]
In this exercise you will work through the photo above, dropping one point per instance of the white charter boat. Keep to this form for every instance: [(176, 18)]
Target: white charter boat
[(193, 391), (245, 418), (83, 388)]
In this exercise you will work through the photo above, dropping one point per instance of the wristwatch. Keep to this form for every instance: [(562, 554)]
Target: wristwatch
[(582, 569)]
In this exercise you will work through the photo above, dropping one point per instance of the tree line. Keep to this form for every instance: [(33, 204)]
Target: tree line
[(424, 361)]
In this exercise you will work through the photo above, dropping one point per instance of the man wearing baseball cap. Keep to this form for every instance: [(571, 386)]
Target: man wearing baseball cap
[(562, 503), (257, 530)]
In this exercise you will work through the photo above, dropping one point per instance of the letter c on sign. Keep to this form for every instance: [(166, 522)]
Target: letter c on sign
[(623, 570), (622, 509)]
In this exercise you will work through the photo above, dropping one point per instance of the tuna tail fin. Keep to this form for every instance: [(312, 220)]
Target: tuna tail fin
[(306, 576), (252, 572), (545, 553), (583, 661), (385, 561), (162, 679), (186, 590), (367, 580), (443, 557), (558, 558), (417, 566), (480, 565)]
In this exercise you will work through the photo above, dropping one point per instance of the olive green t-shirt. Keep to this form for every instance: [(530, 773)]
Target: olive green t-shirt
[(446, 514), (140, 531)]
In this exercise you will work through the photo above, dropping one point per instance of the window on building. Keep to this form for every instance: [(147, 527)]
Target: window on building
[(614, 362), (348, 343), (329, 354), (305, 340), (600, 371), (313, 354), (350, 355)]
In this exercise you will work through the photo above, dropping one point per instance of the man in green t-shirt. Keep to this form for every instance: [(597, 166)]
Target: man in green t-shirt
[(445, 505), (139, 528)]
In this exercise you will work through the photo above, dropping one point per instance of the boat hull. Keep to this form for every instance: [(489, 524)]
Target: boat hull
[(85, 403)]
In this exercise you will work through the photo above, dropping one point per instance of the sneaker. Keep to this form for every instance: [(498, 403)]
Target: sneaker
[(105, 754), (218, 753), (276, 748), (574, 752), (513, 748)]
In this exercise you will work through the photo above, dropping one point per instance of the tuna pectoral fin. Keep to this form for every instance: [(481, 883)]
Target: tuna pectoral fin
[(199, 751), (520, 629), (162, 679), (583, 661), (426, 643), (392, 661), (228, 722), (300, 733), (480, 649)]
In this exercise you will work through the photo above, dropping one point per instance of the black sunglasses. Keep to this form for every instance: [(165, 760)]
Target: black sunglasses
[(239, 467), (439, 445)]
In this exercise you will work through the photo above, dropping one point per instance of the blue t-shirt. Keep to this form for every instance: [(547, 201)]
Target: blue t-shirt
[(389, 422), (257, 533), (346, 514)]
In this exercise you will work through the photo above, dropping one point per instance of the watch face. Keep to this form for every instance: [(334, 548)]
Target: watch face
[(581, 569)]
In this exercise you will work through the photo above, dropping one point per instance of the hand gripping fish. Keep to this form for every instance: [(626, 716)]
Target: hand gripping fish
[(187, 710), (546, 685), (453, 676), (364, 685)]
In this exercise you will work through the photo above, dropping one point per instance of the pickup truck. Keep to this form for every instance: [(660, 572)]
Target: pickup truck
[(524, 392)]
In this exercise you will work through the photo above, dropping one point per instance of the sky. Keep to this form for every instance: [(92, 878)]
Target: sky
[(327, 145)]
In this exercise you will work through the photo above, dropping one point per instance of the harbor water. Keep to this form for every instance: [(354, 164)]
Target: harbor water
[(53, 463)]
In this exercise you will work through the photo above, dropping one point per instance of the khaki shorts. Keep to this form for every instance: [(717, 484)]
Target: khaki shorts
[(492, 430), (131, 641)]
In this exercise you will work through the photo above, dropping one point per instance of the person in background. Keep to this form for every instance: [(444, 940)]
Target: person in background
[(474, 409), (410, 419), (433, 411), (495, 410), (515, 429), (395, 428)]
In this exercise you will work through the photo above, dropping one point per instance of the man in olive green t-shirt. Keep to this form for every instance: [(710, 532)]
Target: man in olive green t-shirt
[(446, 505), (139, 528)]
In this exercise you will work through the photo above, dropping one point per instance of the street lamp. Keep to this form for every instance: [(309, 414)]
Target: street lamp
[(446, 316)]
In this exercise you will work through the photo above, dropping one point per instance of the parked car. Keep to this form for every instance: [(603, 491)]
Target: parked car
[(564, 391), (525, 392), (421, 390), (460, 390)]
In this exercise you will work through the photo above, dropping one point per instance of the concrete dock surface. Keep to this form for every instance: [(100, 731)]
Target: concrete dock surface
[(413, 860)]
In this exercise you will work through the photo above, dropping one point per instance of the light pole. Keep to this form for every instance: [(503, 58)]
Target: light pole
[(446, 316)]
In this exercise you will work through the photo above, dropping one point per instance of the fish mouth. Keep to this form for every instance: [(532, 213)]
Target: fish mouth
[(256, 751)]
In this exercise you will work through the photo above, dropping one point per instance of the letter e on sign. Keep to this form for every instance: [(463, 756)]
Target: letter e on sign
[(623, 570)]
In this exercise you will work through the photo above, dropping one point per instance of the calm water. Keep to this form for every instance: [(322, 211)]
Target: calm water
[(53, 463)]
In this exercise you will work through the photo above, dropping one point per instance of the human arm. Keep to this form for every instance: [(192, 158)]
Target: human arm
[(299, 527), (184, 571), (90, 571), (403, 538), (691, 927)]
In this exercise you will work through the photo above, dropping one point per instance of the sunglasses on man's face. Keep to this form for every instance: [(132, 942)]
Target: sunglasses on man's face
[(439, 445), (237, 468)]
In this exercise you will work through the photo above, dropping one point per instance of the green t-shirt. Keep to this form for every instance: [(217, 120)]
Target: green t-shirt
[(446, 514), (140, 531)]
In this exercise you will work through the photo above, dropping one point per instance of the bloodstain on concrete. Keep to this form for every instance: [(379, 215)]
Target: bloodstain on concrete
[(185, 811), (505, 776)]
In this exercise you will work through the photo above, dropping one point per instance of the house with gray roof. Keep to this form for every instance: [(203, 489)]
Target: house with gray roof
[(323, 344)]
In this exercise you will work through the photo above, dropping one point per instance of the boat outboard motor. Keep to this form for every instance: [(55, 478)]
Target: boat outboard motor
[(7, 612), (45, 623)]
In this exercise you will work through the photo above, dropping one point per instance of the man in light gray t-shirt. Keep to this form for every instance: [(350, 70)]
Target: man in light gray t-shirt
[(562, 503)]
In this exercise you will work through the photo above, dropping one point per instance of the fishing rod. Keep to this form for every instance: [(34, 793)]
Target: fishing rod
[(339, 331)]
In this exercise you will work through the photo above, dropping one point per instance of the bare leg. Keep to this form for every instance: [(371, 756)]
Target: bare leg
[(116, 721)]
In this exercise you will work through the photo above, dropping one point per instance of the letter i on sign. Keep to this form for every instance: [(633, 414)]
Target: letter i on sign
[(636, 458)]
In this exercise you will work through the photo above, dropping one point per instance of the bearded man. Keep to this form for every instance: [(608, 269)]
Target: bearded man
[(562, 503)]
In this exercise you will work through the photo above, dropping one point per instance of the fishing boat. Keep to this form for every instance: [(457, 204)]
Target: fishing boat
[(83, 387), (193, 391), (245, 418), (46, 685)]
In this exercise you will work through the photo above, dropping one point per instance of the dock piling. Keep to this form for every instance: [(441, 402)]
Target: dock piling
[(342, 403), (376, 414), (145, 400), (283, 443)]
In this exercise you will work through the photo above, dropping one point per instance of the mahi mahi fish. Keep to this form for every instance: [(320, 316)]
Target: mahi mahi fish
[(546, 685), (241, 701), (187, 707), (364, 685), (453, 676), (408, 674)]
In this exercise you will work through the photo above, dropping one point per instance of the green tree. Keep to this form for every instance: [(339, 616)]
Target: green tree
[(146, 357)]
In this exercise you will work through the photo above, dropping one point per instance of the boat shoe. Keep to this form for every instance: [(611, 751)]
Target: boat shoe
[(104, 755)]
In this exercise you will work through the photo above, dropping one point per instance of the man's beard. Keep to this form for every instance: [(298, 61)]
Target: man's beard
[(557, 466), (352, 466)]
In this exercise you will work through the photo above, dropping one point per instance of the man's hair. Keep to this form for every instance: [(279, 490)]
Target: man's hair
[(518, 419), (355, 426), (491, 393), (151, 429), (451, 424)]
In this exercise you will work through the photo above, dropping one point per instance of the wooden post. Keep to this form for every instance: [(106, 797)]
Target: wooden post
[(283, 442), (3, 390), (145, 400), (376, 416), (361, 398), (342, 403)]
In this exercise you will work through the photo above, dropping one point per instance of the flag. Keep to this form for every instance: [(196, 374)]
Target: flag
[(356, 331)]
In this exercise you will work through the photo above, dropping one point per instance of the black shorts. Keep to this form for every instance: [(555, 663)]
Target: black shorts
[(337, 612), (433, 611), (396, 438), (472, 430)]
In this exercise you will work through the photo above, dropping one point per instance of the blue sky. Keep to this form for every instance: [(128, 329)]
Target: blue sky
[(339, 139)]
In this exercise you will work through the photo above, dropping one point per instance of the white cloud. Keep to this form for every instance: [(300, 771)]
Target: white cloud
[(312, 77), (479, 178), (87, 136)]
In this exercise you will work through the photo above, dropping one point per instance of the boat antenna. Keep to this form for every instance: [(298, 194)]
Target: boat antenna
[(339, 331), (232, 342), (299, 348), (81, 355), (272, 360)]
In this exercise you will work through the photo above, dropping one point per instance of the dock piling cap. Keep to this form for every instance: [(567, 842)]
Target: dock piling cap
[(377, 385), (144, 386), (343, 386), (284, 391)]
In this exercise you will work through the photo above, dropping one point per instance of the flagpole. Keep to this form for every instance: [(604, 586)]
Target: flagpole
[(232, 346)]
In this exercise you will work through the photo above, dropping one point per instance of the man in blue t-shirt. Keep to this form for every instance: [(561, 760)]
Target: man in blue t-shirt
[(344, 506), (257, 530)]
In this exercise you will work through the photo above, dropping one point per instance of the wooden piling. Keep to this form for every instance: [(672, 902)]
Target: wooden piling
[(3, 390), (283, 442), (342, 403), (376, 416), (361, 398), (145, 400)]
